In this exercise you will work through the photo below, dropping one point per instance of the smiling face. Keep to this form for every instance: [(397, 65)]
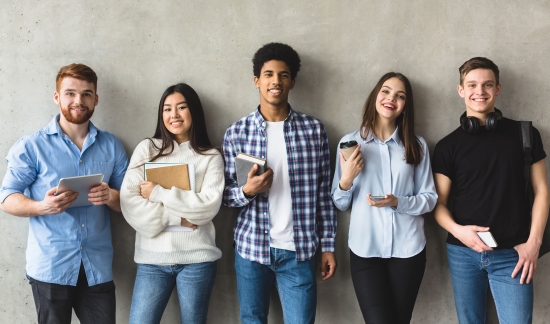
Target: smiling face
[(479, 90), (76, 99), (391, 99), (274, 83), (177, 117)]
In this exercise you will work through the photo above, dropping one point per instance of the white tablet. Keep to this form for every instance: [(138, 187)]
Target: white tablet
[(82, 185)]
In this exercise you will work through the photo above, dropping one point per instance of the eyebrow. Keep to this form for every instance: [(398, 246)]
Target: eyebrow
[(179, 103), (271, 71), (473, 81), (392, 89), (74, 90)]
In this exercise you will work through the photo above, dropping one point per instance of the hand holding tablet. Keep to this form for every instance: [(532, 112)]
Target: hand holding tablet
[(82, 185)]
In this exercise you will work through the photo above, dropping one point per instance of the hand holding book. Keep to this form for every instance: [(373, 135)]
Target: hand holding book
[(256, 184), (146, 187)]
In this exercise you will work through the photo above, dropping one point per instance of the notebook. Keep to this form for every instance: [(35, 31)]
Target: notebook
[(244, 163), (168, 175)]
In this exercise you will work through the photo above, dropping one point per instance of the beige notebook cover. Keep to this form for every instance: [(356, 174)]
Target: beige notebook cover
[(170, 176)]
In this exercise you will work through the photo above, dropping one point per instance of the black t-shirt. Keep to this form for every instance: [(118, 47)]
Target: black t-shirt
[(486, 170)]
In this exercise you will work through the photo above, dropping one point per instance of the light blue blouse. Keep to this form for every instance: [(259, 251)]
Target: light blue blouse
[(388, 231)]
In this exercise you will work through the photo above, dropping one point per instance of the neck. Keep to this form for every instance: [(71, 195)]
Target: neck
[(76, 132), (384, 128), (481, 116), (273, 113)]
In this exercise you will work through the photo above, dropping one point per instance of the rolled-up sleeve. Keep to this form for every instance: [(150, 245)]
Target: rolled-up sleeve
[(21, 170)]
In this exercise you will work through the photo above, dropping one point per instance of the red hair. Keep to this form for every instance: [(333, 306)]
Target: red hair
[(77, 71)]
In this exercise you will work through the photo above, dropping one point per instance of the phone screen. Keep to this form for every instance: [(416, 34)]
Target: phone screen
[(488, 239)]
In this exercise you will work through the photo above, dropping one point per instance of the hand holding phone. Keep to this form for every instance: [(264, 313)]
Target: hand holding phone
[(376, 198), (488, 239)]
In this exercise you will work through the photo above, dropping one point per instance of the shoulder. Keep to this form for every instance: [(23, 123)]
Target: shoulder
[(144, 151), (450, 139), (306, 120), (241, 123), (31, 141), (104, 135), (354, 136)]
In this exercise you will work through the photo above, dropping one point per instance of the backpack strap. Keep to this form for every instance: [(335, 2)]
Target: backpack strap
[(527, 139)]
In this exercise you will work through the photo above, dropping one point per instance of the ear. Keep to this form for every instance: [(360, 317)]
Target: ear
[(292, 83), (56, 97), (460, 89), (499, 86), (257, 82), (96, 100)]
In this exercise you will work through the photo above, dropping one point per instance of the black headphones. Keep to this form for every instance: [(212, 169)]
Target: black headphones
[(471, 124)]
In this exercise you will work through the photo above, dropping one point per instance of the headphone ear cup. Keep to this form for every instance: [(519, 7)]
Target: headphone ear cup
[(469, 124), (492, 120)]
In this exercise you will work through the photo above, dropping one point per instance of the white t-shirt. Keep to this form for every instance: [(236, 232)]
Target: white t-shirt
[(280, 200)]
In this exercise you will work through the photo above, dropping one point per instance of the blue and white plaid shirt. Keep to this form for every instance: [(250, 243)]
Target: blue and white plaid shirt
[(313, 214)]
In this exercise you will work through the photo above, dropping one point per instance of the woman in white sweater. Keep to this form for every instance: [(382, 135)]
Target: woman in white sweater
[(175, 237)]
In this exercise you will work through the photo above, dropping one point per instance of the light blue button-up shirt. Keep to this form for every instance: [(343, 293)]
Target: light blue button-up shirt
[(57, 244), (388, 231)]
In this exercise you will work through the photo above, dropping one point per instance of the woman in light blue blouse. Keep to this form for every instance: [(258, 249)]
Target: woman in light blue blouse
[(388, 181)]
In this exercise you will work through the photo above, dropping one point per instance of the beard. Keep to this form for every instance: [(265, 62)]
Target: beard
[(80, 119)]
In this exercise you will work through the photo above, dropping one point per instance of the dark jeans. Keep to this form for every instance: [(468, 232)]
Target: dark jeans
[(95, 304), (387, 288)]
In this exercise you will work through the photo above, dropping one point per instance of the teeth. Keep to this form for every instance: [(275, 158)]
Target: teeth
[(275, 91)]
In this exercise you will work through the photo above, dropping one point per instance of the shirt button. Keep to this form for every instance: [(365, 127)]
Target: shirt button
[(81, 247), (82, 225), (265, 232), (265, 214), (80, 161), (263, 157)]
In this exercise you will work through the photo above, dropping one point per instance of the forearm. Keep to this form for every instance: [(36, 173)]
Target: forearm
[(20, 205), (444, 218), (417, 205), (539, 216), (114, 203)]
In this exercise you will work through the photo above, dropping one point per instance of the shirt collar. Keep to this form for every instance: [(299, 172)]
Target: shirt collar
[(394, 136), (54, 128), (260, 121)]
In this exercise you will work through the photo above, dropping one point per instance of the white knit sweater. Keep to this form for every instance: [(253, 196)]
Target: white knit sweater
[(167, 207)]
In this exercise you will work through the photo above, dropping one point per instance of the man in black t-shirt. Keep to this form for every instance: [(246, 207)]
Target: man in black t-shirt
[(482, 161)]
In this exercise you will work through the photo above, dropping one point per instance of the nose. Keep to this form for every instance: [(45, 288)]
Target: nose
[(77, 99), (276, 79), (480, 89), (174, 113)]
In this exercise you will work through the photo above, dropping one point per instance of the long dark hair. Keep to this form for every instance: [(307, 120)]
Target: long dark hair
[(405, 121), (198, 138)]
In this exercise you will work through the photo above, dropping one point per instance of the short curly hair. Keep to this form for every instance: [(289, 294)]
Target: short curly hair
[(279, 52)]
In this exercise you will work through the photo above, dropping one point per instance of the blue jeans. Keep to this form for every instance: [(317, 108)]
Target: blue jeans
[(154, 285), (295, 282), (473, 272)]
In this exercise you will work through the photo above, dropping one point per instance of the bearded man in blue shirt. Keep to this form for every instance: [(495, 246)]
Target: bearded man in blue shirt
[(286, 212), (69, 250)]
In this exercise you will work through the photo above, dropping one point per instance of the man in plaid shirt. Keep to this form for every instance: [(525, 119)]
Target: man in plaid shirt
[(277, 234)]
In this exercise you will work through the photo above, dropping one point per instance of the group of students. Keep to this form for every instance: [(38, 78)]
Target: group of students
[(286, 212)]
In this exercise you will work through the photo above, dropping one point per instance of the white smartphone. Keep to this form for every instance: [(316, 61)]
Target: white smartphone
[(488, 239), (376, 198)]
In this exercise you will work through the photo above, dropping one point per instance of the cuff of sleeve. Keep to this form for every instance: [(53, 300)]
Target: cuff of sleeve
[(243, 198), (156, 194), (5, 193), (327, 244), (402, 205), (173, 220)]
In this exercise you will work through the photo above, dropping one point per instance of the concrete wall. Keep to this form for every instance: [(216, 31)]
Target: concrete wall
[(138, 48)]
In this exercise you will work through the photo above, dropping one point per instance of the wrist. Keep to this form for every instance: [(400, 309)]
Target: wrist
[(345, 184), (247, 193)]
